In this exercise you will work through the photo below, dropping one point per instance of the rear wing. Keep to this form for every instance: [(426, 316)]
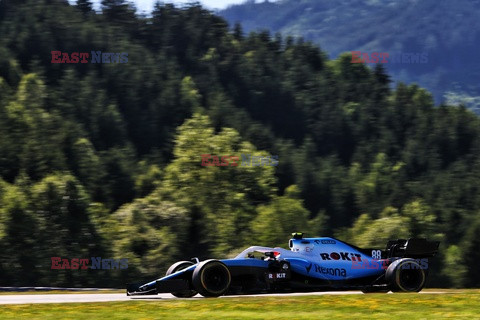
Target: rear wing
[(404, 248), (411, 248)]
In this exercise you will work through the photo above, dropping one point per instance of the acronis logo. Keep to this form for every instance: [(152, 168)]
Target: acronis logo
[(92, 57)]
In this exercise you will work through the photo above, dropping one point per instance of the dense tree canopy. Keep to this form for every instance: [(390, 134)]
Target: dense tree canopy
[(105, 159)]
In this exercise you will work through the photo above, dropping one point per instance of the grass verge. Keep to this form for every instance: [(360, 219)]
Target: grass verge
[(4, 293), (463, 304)]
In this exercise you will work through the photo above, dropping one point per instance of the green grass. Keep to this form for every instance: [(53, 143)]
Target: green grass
[(62, 292), (463, 304)]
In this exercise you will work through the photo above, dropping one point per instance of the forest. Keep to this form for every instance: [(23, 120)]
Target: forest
[(446, 32), (105, 159)]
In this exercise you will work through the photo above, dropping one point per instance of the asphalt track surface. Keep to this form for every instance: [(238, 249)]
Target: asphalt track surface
[(107, 297)]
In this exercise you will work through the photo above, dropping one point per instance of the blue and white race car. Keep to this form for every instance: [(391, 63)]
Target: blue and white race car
[(311, 264)]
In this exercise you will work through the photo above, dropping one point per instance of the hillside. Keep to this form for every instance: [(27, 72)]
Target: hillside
[(448, 31), (104, 159)]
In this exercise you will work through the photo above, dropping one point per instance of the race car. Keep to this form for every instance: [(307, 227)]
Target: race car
[(311, 264)]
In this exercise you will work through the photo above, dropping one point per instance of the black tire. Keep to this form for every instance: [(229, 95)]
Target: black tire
[(177, 266), (211, 278), (406, 275)]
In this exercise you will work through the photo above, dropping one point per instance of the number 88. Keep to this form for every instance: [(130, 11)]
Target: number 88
[(376, 254)]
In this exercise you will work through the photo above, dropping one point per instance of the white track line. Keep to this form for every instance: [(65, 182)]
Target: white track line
[(108, 297)]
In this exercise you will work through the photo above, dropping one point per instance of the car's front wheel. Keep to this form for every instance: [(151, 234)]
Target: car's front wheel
[(177, 266), (211, 278)]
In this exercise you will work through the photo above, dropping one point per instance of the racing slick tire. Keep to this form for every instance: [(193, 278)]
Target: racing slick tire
[(405, 275), (211, 278), (177, 266)]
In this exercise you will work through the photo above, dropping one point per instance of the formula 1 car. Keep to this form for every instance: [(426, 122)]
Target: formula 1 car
[(311, 264)]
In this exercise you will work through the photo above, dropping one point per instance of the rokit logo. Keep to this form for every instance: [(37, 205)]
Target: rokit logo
[(341, 256), (281, 275)]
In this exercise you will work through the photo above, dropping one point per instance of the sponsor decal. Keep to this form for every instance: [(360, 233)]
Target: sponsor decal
[(339, 272), (328, 241), (82, 57), (377, 254), (280, 275), (349, 256), (308, 268), (247, 160), (97, 263)]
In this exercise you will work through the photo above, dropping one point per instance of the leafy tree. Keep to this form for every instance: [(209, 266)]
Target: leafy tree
[(86, 164), (119, 181), (367, 232), (85, 6), (18, 238), (221, 199), (83, 140), (148, 180), (152, 235), (454, 267), (470, 254), (422, 221), (279, 218), (120, 12)]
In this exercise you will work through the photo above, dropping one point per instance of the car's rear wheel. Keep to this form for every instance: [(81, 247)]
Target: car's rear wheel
[(211, 278), (177, 266), (405, 275)]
